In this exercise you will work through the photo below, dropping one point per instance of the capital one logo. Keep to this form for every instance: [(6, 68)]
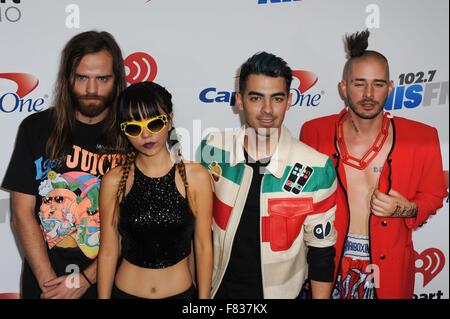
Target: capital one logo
[(429, 263), (16, 101), (141, 67), (25, 82), (306, 79)]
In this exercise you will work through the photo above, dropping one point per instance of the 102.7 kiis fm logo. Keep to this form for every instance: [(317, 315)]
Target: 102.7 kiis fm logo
[(417, 89)]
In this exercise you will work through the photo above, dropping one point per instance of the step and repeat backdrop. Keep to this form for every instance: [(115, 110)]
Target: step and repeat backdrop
[(195, 47)]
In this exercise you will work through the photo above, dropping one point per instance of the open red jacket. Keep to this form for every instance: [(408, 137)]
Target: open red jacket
[(414, 169)]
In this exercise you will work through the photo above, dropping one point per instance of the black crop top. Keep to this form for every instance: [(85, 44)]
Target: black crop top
[(155, 222)]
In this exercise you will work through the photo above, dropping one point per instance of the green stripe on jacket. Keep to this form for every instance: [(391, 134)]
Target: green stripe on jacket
[(322, 178)]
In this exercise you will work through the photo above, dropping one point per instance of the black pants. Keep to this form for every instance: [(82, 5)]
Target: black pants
[(191, 293), (60, 258)]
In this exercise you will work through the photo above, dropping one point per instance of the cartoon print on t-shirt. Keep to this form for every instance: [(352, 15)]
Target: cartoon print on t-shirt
[(70, 208)]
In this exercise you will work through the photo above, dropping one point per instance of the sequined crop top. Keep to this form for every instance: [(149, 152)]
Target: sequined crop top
[(155, 222)]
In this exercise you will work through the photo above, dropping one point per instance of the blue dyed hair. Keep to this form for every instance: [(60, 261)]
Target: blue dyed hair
[(265, 64)]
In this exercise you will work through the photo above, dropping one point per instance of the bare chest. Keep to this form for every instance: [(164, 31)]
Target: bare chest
[(362, 182)]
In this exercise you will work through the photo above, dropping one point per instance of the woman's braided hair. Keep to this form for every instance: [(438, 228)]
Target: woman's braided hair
[(130, 157), (181, 167)]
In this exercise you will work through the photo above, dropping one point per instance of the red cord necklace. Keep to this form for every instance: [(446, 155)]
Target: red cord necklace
[(373, 151)]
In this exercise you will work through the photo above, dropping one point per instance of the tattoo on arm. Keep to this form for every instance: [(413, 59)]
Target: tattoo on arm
[(405, 211)]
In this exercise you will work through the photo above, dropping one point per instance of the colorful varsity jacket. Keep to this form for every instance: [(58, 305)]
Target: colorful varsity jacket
[(297, 207)]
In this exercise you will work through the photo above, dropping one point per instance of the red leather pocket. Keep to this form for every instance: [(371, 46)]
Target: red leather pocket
[(285, 220)]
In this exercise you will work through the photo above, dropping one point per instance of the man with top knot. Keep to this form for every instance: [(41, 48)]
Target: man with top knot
[(390, 180)]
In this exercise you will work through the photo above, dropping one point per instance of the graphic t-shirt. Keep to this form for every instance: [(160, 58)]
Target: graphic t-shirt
[(67, 188)]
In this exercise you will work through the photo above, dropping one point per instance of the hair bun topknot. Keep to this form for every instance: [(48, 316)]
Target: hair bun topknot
[(357, 43)]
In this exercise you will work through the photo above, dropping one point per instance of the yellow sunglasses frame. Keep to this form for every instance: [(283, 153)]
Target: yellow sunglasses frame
[(144, 125)]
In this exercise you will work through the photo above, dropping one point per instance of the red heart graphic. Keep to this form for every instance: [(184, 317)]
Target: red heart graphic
[(433, 260), (307, 79)]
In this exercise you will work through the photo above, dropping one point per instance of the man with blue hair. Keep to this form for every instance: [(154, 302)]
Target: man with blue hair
[(274, 197)]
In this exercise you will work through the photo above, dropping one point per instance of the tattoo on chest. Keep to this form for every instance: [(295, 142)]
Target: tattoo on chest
[(377, 169)]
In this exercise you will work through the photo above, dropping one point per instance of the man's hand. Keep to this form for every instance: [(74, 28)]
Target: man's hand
[(391, 205), (45, 288), (61, 288)]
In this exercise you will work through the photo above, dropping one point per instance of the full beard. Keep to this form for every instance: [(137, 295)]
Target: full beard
[(92, 105)]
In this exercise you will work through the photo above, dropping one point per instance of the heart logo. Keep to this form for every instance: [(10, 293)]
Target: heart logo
[(307, 79), (433, 260)]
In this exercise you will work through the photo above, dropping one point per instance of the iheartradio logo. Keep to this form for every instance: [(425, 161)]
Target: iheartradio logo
[(429, 263), (141, 67)]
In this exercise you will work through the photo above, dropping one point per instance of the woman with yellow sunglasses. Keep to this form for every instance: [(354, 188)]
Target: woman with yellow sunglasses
[(152, 208)]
